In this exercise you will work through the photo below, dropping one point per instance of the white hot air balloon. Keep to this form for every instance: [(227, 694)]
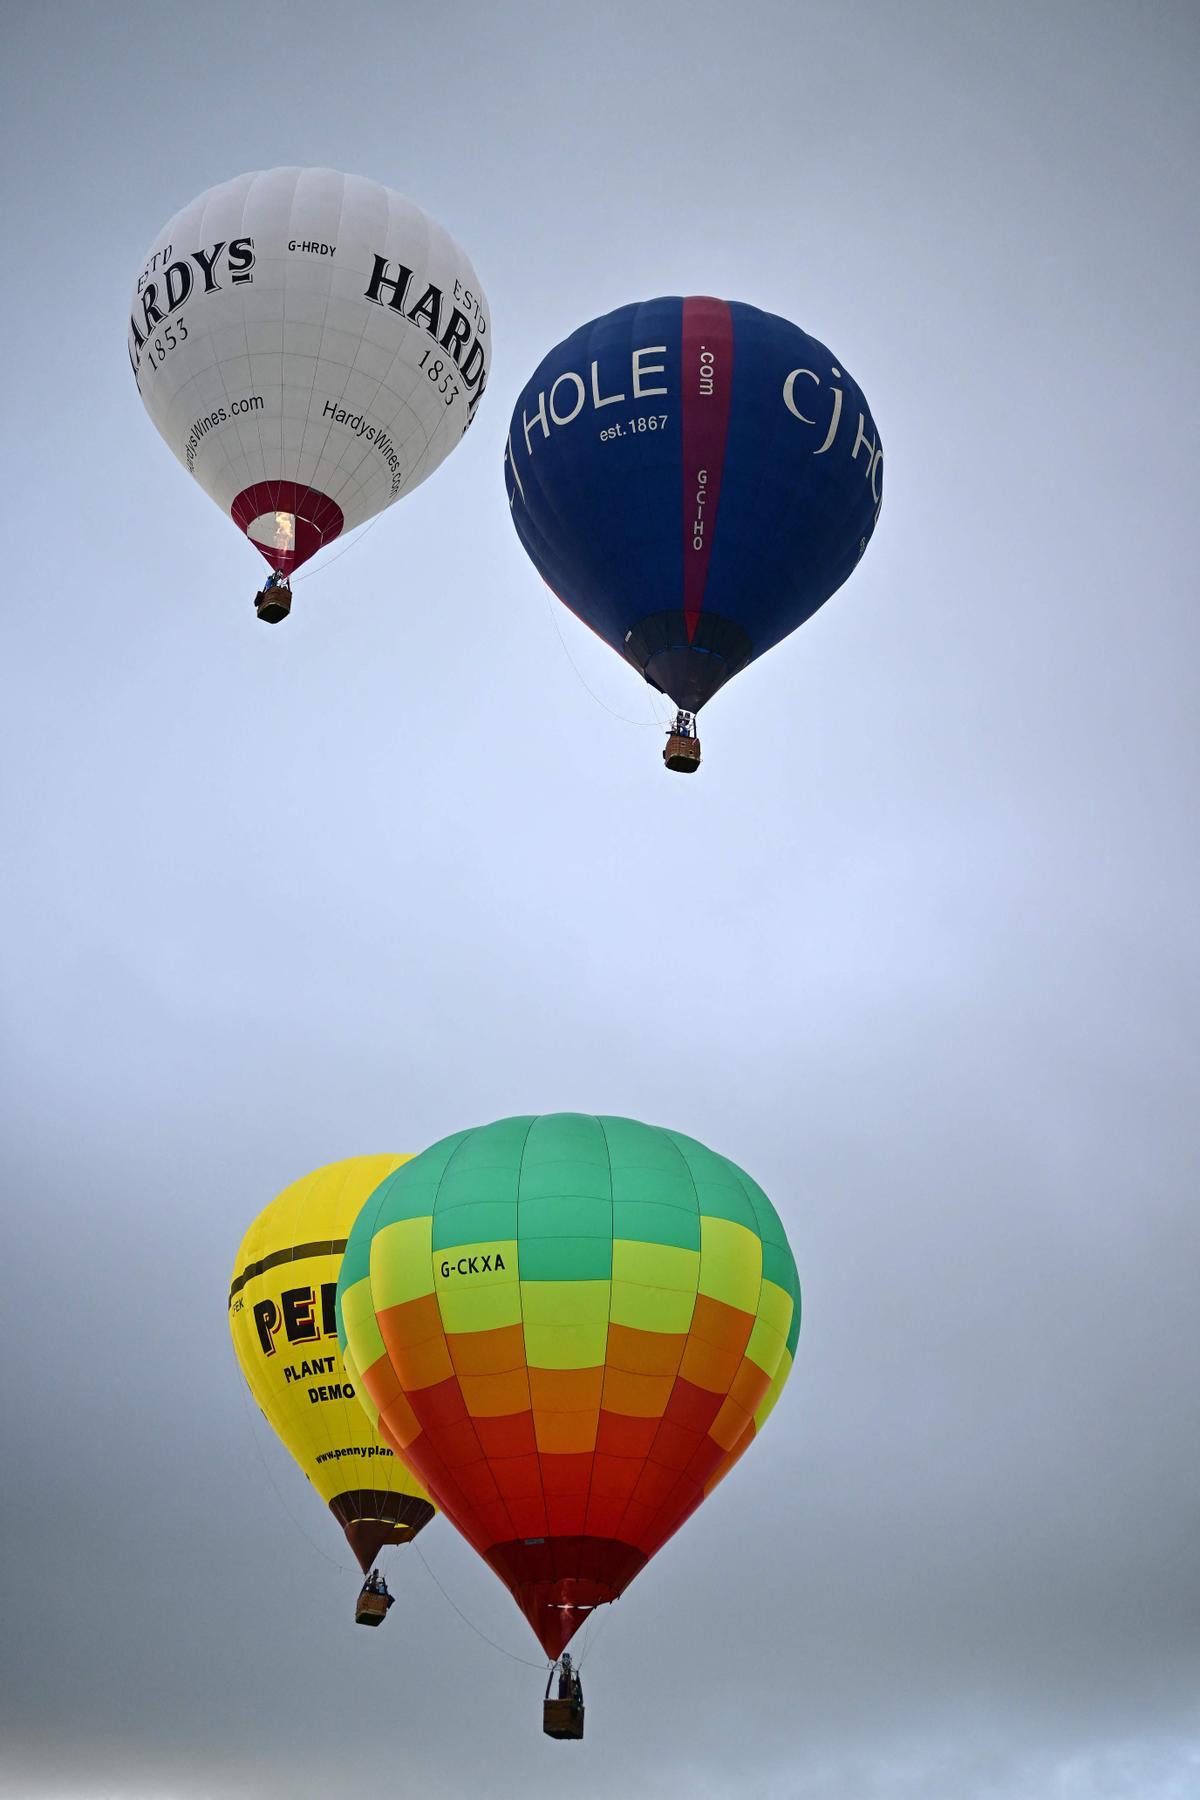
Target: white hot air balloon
[(311, 346)]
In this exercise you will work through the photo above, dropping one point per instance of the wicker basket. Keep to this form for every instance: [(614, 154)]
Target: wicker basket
[(562, 1718), (682, 753), (273, 603)]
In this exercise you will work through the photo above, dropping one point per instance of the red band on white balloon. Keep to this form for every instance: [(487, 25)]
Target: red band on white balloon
[(286, 522)]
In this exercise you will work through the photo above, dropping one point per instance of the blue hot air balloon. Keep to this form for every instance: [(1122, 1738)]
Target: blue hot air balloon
[(693, 478)]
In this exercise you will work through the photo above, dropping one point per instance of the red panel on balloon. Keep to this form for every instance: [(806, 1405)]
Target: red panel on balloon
[(285, 522)]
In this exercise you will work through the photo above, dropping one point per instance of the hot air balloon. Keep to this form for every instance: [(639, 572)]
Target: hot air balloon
[(693, 478), (572, 1327), (281, 1314), (311, 346)]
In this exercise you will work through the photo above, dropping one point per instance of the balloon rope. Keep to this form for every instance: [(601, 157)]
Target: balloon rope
[(350, 544), (462, 1615), (591, 1639), (655, 724), (311, 1542)]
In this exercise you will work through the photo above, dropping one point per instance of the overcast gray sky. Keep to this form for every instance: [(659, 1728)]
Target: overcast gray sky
[(917, 947)]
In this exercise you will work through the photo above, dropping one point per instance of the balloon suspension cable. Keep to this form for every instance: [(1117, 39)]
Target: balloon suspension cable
[(350, 544), (511, 1655), (590, 1639), (312, 1543), (655, 724)]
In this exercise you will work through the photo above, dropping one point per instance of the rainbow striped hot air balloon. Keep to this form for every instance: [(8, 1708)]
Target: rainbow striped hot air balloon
[(571, 1328)]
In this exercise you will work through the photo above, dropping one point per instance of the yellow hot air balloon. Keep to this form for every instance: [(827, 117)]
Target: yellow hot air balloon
[(282, 1316)]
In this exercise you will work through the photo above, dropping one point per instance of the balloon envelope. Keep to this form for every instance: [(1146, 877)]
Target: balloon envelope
[(572, 1327), (281, 1314), (693, 478), (311, 345)]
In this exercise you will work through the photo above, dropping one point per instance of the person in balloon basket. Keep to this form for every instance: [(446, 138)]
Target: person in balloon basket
[(274, 599), (375, 1584), (570, 1687)]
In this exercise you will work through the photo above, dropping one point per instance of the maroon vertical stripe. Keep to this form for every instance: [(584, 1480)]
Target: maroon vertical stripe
[(706, 386)]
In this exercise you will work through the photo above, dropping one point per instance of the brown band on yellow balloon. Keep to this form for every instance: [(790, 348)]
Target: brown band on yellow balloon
[(329, 1247), (371, 1519)]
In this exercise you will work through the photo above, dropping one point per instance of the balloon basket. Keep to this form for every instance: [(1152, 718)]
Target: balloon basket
[(682, 754), (371, 1609), (273, 604), (562, 1719)]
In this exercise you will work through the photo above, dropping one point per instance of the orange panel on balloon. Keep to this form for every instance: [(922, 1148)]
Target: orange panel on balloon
[(749, 1386), (718, 1323), (495, 1396), (636, 1396), (563, 1433), (730, 1423), (716, 1346), (566, 1390), (418, 1352), (645, 1352), (411, 1322), (487, 1352), (728, 1458)]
